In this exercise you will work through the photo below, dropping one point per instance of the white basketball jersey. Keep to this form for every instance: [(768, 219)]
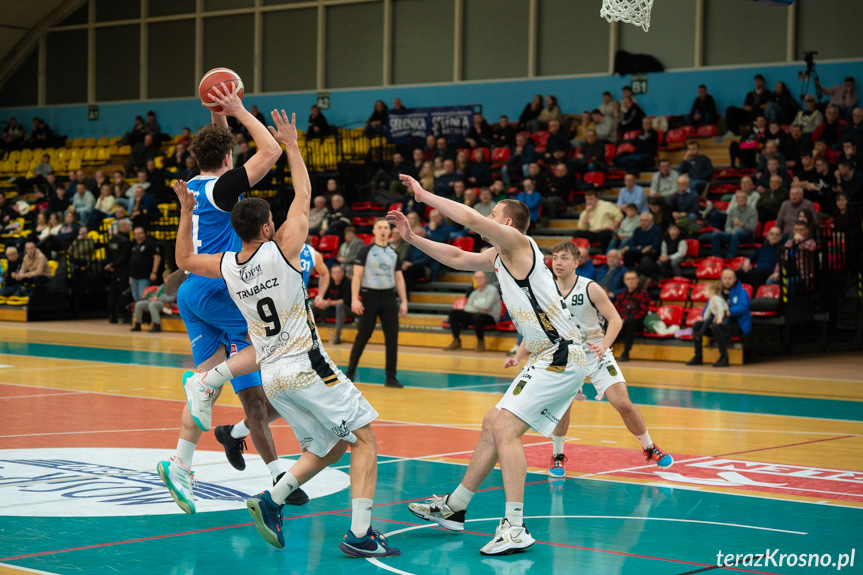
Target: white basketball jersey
[(584, 314), (271, 296), (535, 305)]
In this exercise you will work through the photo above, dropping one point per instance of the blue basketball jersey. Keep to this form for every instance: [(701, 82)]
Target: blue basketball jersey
[(211, 227), (307, 262)]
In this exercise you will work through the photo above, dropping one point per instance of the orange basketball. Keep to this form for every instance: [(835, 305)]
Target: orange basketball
[(214, 78)]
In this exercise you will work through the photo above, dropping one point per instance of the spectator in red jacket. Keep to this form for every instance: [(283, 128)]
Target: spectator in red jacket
[(632, 305)]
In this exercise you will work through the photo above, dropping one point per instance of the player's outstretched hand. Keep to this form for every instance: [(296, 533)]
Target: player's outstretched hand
[(401, 223), (597, 349), (285, 132), (187, 198), (410, 182), (227, 98), (510, 362)]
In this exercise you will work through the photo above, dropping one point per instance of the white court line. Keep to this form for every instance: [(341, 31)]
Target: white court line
[(92, 364), (25, 569), (42, 395)]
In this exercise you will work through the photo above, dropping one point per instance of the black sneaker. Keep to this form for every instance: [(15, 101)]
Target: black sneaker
[(695, 361), (623, 356), (723, 362), (297, 496), (233, 447), (156, 328), (137, 327), (393, 382)]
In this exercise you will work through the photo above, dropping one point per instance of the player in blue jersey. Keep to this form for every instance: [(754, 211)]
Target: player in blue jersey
[(215, 326)]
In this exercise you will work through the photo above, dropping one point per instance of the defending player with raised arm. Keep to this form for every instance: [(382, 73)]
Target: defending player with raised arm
[(215, 326), (588, 304), (552, 378)]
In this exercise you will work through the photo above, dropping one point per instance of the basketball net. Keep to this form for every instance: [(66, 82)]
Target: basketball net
[(631, 11)]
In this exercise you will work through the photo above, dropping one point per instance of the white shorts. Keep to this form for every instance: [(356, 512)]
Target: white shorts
[(319, 402), (603, 373), (541, 394)]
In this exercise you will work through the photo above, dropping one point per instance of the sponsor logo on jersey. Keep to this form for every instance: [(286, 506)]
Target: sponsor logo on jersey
[(548, 415), (249, 273), (342, 430), (270, 283), (519, 387), (611, 371)]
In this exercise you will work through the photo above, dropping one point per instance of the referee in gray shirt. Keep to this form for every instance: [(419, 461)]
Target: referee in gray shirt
[(376, 283)]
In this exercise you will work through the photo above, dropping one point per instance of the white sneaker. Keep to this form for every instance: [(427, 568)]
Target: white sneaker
[(178, 479), (508, 539), (200, 397), (437, 510)]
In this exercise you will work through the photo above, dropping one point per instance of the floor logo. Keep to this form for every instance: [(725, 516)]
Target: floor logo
[(96, 482)]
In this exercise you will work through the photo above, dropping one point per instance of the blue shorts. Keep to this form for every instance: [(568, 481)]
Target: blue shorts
[(212, 321)]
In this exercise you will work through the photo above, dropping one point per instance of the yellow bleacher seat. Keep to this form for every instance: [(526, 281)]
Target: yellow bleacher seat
[(38, 152), (89, 155), (90, 142), (103, 154), (160, 162), (99, 254), (7, 168), (65, 154), (17, 300), (74, 164), (124, 150), (58, 165), (104, 141), (27, 155), (116, 140), (113, 149), (53, 265), (77, 154), (22, 166), (32, 165), (78, 143), (14, 156)]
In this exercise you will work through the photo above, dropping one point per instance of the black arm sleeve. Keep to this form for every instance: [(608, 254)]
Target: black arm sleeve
[(363, 255), (228, 188)]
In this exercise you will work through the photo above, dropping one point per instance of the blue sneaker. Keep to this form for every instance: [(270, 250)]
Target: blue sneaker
[(555, 469), (372, 545), (662, 459), (268, 518)]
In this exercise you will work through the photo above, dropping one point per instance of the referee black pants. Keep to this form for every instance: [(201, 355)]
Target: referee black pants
[(383, 304)]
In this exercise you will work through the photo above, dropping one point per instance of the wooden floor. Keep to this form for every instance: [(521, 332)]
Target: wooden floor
[(768, 455)]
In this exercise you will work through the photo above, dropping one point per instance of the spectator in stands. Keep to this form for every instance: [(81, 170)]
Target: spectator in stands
[(11, 285), (34, 272), (185, 136), (809, 117), (599, 220), (627, 226), (416, 264), (486, 203), (795, 146), (787, 216), (141, 152), (7, 211), (765, 259), (740, 225), (443, 184), (83, 202), (632, 116), (782, 107), (716, 309), (43, 169), (684, 204), (557, 140), (244, 155), (458, 189), (846, 222), (830, 130), (585, 264), (819, 187), (855, 128), (550, 112), (479, 172), (805, 172), (145, 262), (771, 150), (646, 146), (664, 182), (317, 214), (156, 178), (41, 227), (532, 199), (153, 126), (13, 134), (426, 177), (480, 134), (746, 150), (644, 244), (631, 193), (154, 304), (703, 109), (52, 227), (774, 169), (503, 134), (461, 164), (771, 199), (842, 96), (579, 135), (609, 276), (381, 187), (849, 152), (534, 172), (591, 157), (699, 168), (136, 134), (470, 197), (318, 125), (144, 210), (607, 101), (348, 250), (606, 127), (483, 310), (672, 252), (338, 219), (378, 122), (443, 150), (739, 320), (849, 182), (520, 157), (438, 230), (531, 112), (80, 253), (632, 304), (104, 207), (800, 260), (61, 240), (336, 302), (754, 105), (560, 184)]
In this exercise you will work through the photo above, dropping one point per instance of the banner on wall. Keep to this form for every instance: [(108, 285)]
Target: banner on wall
[(450, 122)]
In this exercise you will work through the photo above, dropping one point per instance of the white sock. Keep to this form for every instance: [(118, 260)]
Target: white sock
[(557, 441), (239, 430), (277, 467), (218, 376), (284, 488), (361, 516), (515, 513), (459, 499), (645, 440), (186, 451)]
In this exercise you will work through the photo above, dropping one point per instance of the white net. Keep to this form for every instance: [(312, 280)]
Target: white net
[(631, 11)]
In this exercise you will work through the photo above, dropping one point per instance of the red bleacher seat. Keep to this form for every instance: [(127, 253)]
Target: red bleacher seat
[(467, 152), (547, 260), (767, 225), (675, 138), (314, 240), (460, 303), (599, 260), (693, 316), (360, 221), (313, 292), (817, 206), (366, 238), (675, 279), (539, 140), (709, 268), (767, 291), (581, 243), (719, 205), (670, 315), (465, 244), (674, 292), (736, 264), (609, 153), (631, 134), (748, 289), (596, 178), (361, 206), (499, 157), (698, 294), (328, 246), (395, 207), (707, 131), (692, 248), (625, 147)]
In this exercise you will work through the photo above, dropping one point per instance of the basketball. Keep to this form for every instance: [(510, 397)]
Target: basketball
[(214, 78)]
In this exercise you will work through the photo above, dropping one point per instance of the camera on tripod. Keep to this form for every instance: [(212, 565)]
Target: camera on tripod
[(804, 76)]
